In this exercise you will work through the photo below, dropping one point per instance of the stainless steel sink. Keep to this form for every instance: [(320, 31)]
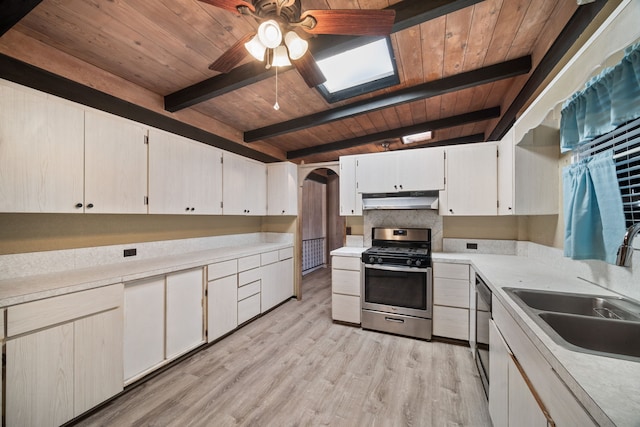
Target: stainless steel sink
[(584, 305), (596, 324), (596, 334)]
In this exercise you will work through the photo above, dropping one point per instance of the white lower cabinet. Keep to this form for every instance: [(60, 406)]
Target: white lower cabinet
[(163, 319), (277, 278), (222, 299), (524, 390), (185, 314), (451, 300), (63, 356), (345, 289)]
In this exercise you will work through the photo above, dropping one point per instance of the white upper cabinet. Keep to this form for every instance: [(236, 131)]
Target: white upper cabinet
[(115, 165), (408, 170), (244, 189), (350, 199), (282, 189), (41, 152), (57, 157), (528, 176), (185, 176), (472, 180)]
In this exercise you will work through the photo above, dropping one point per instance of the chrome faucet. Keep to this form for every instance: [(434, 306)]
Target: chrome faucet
[(625, 251)]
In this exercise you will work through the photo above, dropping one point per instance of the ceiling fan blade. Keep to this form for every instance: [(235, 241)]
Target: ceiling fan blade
[(352, 22), (309, 70), (236, 53), (230, 5)]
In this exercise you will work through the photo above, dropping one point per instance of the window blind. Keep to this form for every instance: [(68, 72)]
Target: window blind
[(625, 143)]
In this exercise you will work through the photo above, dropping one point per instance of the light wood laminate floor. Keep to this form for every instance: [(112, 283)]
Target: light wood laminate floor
[(295, 367)]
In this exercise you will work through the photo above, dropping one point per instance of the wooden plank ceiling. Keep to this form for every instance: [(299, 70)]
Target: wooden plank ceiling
[(163, 49)]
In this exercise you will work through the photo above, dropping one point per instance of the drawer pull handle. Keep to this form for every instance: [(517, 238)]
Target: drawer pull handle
[(391, 319)]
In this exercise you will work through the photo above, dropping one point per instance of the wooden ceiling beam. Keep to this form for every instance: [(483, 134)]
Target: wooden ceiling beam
[(445, 85), (461, 119), (408, 14), (13, 11)]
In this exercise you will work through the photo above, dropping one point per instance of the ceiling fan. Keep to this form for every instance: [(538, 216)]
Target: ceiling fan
[(270, 45)]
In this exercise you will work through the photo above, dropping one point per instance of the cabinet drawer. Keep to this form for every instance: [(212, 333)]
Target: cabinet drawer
[(248, 262), (248, 276), (248, 290), (40, 314), (345, 282), (285, 253), (346, 263), (451, 322), (268, 258), (248, 308), (451, 271), (451, 292), (345, 308), (222, 269)]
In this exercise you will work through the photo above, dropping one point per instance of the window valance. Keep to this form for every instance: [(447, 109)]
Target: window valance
[(609, 99)]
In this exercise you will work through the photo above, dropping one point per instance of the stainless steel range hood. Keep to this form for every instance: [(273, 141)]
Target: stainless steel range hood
[(401, 200)]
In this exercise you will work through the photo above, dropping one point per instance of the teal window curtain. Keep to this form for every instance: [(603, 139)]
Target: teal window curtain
[(608, 100), (594, 219)]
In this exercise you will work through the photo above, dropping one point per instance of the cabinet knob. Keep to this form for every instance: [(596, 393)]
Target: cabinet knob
[(282, 210), (187, 209), (395, 186), (90, 205), (193, 209), (451, 210), (401, 186), (78, 205)]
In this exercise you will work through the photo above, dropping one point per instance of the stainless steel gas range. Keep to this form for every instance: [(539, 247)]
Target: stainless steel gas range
[(397, 286)]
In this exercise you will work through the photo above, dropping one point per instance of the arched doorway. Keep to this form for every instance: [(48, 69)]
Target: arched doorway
[(320, 228)]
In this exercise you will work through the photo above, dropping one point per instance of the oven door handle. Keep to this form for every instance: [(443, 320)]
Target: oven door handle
[(397, 268)]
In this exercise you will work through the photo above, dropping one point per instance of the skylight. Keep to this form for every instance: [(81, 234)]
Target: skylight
[(360, 70)]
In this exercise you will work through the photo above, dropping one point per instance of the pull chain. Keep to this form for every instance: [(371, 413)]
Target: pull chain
[(276, 106)]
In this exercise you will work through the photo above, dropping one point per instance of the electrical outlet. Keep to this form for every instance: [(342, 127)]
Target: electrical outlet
[(472, 246), (130, 252)]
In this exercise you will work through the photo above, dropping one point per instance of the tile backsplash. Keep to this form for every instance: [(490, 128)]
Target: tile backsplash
[(423, 218)]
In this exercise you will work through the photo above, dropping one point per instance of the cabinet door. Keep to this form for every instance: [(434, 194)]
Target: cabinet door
[(499, 359), (377, 173), (41, 154), (350, 198), (421, 169), (282, 189), (233, 185), (505, 175), (222, 298), (39, 378), (115, 165), (98, 359), (472, 183), (255, 187), (524, 409), (204, 186), (184, 318), (143, 326), (168, 173), (269, 294)]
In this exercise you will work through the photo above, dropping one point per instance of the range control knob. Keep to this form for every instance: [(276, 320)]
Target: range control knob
[(380, 260), (408, 261), (418, 263), (372, 260)]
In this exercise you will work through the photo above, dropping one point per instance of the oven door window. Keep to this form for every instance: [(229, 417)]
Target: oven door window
[(396, 288)]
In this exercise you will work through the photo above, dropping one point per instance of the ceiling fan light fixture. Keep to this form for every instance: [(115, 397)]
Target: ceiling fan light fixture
[(256, 48), (269, 34), (280, 57), (297, 46)]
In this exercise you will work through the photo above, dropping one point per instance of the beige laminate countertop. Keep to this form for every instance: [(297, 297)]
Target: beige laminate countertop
[(31, 288), (608, 388)]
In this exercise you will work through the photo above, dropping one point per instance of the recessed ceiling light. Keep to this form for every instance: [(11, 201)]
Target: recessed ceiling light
[(417, 137)]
